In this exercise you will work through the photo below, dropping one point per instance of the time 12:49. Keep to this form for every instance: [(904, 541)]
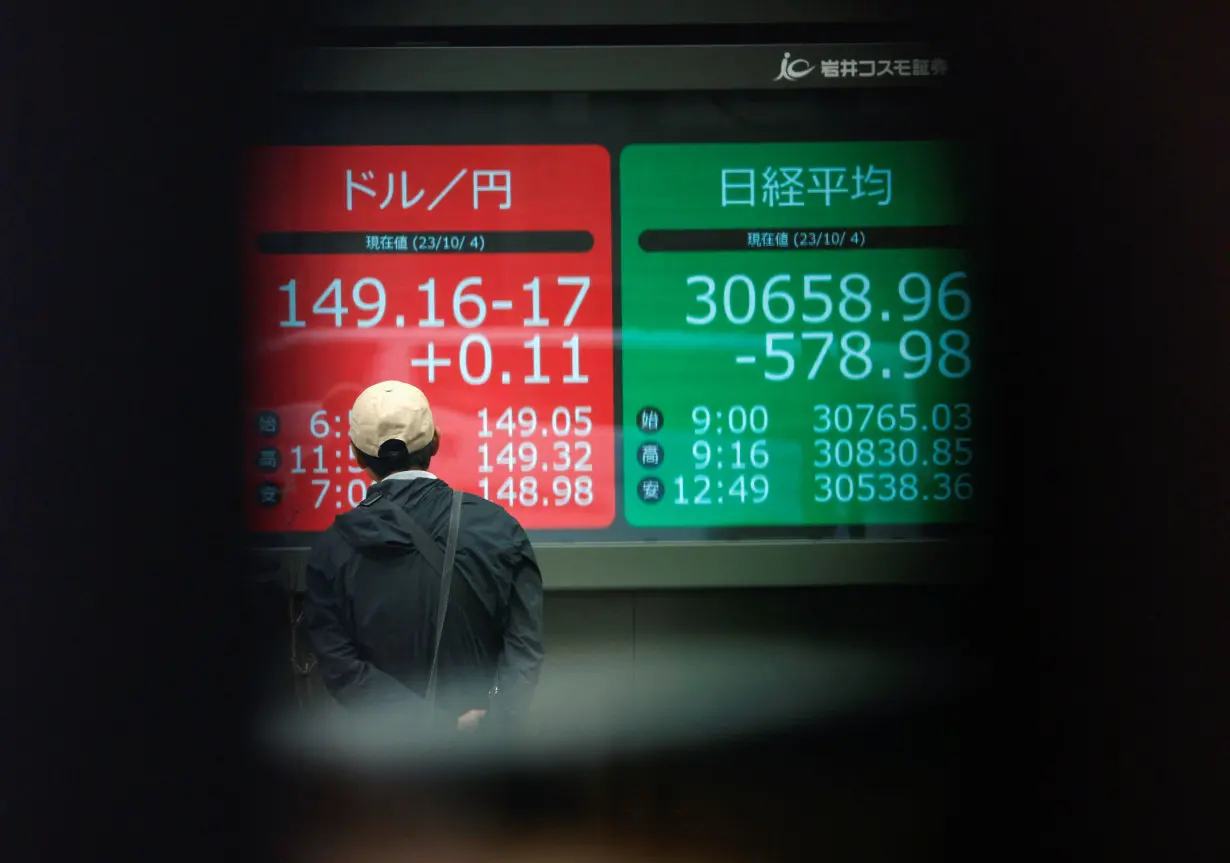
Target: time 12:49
[(755, 487)]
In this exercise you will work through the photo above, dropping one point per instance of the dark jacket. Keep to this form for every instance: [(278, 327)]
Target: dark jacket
[(371, 605)]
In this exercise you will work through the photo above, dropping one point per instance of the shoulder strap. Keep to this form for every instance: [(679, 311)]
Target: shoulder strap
[(442, 564), (446, 585), (422, 539)]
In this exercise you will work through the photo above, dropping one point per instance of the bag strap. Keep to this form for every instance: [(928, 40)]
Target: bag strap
[(441, 563), (446, 585), (423, 541)]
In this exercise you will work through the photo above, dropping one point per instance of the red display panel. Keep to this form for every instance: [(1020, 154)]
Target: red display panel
[(480, 274)]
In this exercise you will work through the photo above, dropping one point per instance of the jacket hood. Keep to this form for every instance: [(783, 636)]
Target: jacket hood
[(377, 526)]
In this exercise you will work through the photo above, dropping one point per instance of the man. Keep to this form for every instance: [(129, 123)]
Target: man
[(371, 601)]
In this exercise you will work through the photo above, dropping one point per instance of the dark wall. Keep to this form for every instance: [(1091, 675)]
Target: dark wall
[(609, 649), (625, 639)]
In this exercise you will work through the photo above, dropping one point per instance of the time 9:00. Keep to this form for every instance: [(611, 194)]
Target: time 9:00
[(738, 419)]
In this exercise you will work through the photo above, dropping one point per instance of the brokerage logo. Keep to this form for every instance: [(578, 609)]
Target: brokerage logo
[(793, 70)]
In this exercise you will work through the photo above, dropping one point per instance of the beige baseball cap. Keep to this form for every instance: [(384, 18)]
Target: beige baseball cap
[(391, 411)]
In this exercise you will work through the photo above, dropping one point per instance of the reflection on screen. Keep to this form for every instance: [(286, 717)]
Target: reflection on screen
[(623, 338)]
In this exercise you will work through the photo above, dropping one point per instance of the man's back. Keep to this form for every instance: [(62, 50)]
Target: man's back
[(372, 602)]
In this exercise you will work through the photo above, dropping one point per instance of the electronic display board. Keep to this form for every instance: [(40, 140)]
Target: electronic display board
[(480, 274), (640, 317), (796, 335)]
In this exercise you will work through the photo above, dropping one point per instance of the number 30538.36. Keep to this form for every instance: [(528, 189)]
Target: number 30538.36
[(887, 487)]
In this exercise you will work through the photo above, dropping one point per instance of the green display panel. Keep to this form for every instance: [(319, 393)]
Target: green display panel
[(799, 336)]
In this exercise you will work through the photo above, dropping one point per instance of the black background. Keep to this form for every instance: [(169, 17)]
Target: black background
[(127, 646)]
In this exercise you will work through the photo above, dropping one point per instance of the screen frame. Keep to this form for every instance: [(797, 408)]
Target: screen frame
[(587, 68), (607, 13), (658, 564), (679, 565)]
